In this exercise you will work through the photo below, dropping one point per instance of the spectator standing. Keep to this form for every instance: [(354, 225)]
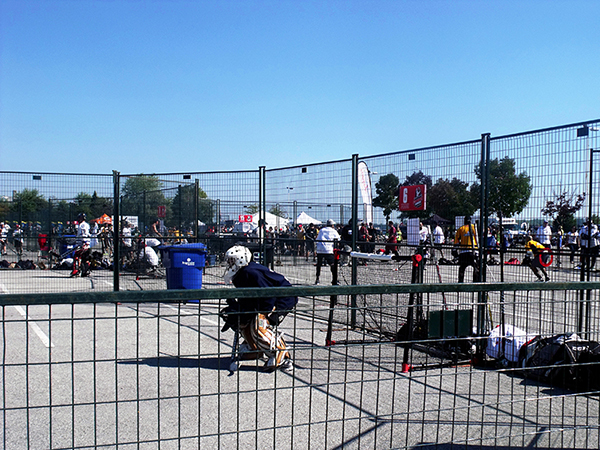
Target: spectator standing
[(466, 241), (346, 242), (363, 241), (424, 241), (310, 235), (155, 228), (363, 238), (372, 237), (127, 247), (544, 235), (589, 241), (81, 257), (438, 238), (573, 242), (83, 230), (392, 240), (3, 236), (423, 234), (325, 246), (18, 239), (492, 246)]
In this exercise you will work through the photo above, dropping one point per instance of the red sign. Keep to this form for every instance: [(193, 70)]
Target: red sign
[(412, 198), (245, 218), (162, 212)]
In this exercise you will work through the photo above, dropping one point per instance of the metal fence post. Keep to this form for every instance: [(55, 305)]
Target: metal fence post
[(297, 245), (49, 223), (586, 268), (218, 216), (116, 229), (261, 216), (143, 230), (353, 267), (483, 219), (179, 214), (196, 207)]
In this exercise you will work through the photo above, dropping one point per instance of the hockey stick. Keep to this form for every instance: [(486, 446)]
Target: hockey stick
[(233, 365), (332, 300), (437, 266)]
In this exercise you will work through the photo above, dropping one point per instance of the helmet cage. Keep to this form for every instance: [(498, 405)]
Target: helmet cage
[(236, 257)]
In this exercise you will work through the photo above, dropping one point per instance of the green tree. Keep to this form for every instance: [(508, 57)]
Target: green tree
[(183, 206), (4, 208), (563, 208), (139, 184), (387, 194), (62, 211), (100, 205), (141, 196), (275, 210), (417, 177), (508, 193), (278, 211), (83, 202), (29, 203), (451, 198)]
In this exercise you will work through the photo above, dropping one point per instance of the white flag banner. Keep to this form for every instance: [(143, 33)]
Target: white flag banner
[(364, 182)]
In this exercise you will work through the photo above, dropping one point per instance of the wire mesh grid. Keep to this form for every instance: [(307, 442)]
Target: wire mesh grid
[(559, 163), (352, 394), (157, 374)]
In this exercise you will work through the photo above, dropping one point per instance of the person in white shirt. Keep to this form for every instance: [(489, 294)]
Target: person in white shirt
[(83, 230), (325, 246), (423, 234), (82, 258), (438, 238), (589, 242), (3, 236), (127, 247), (573, 242), (544, 235), (18, 239)]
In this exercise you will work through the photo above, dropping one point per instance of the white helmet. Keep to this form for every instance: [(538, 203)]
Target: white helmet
[(236, 257)]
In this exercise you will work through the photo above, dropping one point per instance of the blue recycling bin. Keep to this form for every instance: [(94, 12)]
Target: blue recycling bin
[(66, 244), (184, 265)]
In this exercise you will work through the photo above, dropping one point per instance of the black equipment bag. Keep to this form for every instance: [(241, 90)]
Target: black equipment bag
[(563, 360)]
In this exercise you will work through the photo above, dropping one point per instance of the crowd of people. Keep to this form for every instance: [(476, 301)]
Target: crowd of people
[(83, 244), (543, 245), (580, 244)]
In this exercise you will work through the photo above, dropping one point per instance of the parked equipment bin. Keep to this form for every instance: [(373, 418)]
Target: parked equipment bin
[(184, 265)]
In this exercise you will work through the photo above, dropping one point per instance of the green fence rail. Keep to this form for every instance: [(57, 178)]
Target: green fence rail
[(182, 295)]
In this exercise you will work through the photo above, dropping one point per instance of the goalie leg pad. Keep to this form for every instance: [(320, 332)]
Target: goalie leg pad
[(262, 336)]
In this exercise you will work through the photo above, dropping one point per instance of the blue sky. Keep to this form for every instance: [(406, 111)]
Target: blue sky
[(176, 86)]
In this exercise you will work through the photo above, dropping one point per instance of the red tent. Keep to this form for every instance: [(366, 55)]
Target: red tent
[(103, 219)]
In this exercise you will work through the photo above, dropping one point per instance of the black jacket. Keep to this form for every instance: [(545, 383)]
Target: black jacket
[(256, 275)]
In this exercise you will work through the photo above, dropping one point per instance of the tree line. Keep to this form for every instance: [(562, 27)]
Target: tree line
[(140, 196), (508, 195)]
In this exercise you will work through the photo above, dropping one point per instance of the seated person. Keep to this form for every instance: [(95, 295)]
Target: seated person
[(257, 318)]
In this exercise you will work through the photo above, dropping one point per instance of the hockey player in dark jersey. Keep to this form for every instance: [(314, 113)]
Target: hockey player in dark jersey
[(257, 319)]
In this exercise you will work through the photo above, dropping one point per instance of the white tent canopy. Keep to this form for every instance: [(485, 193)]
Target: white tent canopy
[(305, 219), (271, 220)]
